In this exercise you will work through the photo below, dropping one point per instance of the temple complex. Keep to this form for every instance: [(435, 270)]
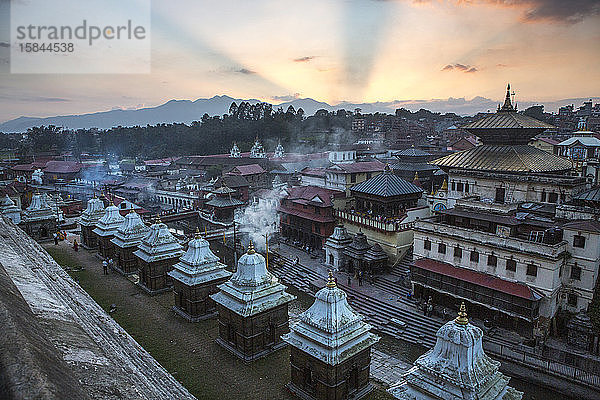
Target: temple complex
[(507, 236), (126, 240), (456, 368), (235, 151), (39, 220), (156, 254), (105, 230), (257, 150), (195, 278), (9, 210), (90, 216), (279, 152), (253, 309), (330, 349)]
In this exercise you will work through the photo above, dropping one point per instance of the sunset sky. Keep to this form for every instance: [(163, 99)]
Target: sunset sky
[(353, 50)]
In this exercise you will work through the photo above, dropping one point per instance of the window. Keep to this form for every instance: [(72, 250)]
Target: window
[(576, 272), (511, 265), (553, 197), (453, 185), (500, 192), (572, 299), (369, 175), (467, 187), (492, 260), (427, 244), (457, 252), (474, 256), (442, 248), (459, 187), (531, 270), (579, 241), (543, 195)]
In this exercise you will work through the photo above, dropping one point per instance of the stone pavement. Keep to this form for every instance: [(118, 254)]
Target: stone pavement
[(387, 369)]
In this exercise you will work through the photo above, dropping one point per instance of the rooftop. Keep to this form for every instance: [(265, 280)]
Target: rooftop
[(386, 184)]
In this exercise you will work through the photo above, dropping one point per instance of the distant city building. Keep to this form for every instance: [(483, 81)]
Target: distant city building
[(343, 176)]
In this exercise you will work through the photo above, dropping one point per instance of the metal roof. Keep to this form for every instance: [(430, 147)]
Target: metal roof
[(386, 185), (589, 195), (221, 202), (507, 120), (519, 158)]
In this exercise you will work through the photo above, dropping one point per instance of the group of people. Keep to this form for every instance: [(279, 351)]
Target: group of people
[(358, 275), (108, 264)]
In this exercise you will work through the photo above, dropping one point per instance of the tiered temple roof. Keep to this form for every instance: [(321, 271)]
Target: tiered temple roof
[(109, 223), (339, 239), (199, 264), (158, 245), (386, 184), (252, 289), (456, 368), (330, 330), (505, 135), (131, 232), (92, 213), (39, 209)]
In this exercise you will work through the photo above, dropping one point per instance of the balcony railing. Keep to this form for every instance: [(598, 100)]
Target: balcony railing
[(373, 223), (511, 243)]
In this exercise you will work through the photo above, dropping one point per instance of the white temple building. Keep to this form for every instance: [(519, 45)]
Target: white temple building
[(195, 278), (334, 247), (89, 217), (253, 309), (157, 253), (235, 151), (105, 230), (257, 150), (279, 152), (456, 368), (331, 348), (39, 220), (9, 210), (126, 240)]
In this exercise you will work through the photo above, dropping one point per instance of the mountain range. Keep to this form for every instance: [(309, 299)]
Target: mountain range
[(187, 111)]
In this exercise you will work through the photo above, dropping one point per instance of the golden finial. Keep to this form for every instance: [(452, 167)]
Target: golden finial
[(462, 315), (251, 248), (444, 185), (331, 280), (416, 178), (197, 234)]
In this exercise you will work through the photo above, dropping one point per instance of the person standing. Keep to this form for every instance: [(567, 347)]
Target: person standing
[(111, 264), (360, 276), (105, 267), (349, 281), (75, 246), (55, 238)]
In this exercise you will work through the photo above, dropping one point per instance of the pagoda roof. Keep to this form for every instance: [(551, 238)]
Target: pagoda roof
[(199, 265), (376, 253), (7, 205), (330, 330), (504, 158), (339, 239), (131, 232), (158, 245), (109, 223), (507, 120), (359, 245), (39, 209), (386, 184), (251, 289), (223, 202), (411, 152)]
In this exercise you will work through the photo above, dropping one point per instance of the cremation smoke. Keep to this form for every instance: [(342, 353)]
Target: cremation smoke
[(260, 218)]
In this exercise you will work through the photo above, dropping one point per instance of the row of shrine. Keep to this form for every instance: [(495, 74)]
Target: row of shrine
[(330, 344)]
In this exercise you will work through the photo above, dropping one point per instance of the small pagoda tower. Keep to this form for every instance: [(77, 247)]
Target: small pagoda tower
[(334, 248), (257, 150), (105, 230), (89, 217), (9, 210), (156, 254), (375, 259), (253, 309), (126, 240), (456, 368), (330, 349), (235, 151), (279, 152), (39, 220), (195, 278), (354, 253)]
